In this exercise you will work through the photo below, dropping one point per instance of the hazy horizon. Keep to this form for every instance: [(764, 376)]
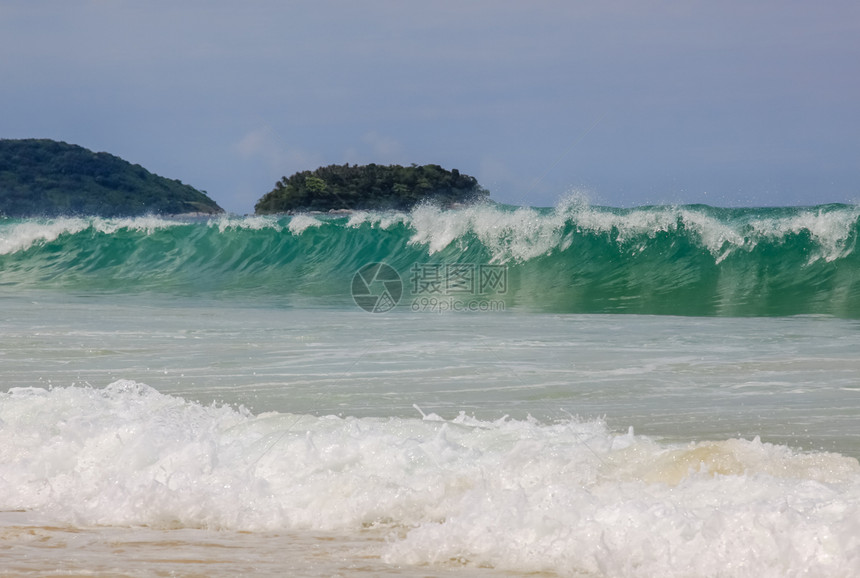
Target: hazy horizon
[(729, 104)]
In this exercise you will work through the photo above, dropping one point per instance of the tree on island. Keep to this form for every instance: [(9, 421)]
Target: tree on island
[(46, 178), (370, 187)]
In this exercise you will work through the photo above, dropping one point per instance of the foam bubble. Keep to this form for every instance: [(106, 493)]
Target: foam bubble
[(522, 495)]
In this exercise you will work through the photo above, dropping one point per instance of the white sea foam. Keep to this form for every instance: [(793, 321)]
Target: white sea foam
[(525, 233), (517, 235), (522, 495), (513, 235), (301, 223), (254, 223), (20, 236), (384, 219), (830, 230), (147, 224)]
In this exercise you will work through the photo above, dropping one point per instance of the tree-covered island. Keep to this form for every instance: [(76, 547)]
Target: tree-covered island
[(46, 178), (370, 187)]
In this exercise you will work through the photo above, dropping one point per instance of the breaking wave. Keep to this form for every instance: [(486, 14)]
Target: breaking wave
[(574, 258)]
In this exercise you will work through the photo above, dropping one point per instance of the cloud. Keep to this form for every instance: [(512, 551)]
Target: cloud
[(383, 146), (264, 144), (375, 147), (260, 142)]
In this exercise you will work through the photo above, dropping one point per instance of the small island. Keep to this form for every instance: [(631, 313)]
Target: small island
[(370, 187), (47, 178)]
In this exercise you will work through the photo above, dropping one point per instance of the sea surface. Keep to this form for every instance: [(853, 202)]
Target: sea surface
[(668, 391)]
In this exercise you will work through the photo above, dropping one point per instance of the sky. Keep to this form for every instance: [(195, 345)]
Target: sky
[(624, 102)]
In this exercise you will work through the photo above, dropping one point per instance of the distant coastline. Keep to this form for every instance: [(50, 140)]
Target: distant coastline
[(47, 178)]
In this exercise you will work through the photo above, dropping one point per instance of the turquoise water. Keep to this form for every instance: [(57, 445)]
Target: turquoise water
[(688, 260), (670, 391)]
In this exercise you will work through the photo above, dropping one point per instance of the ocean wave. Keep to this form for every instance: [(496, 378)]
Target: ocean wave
[(575, 257)]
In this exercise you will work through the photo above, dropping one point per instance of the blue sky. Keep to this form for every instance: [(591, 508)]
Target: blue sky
[(629, 102)]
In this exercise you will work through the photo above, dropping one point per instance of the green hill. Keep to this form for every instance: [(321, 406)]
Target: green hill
[(370, 187), (46, 178)]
